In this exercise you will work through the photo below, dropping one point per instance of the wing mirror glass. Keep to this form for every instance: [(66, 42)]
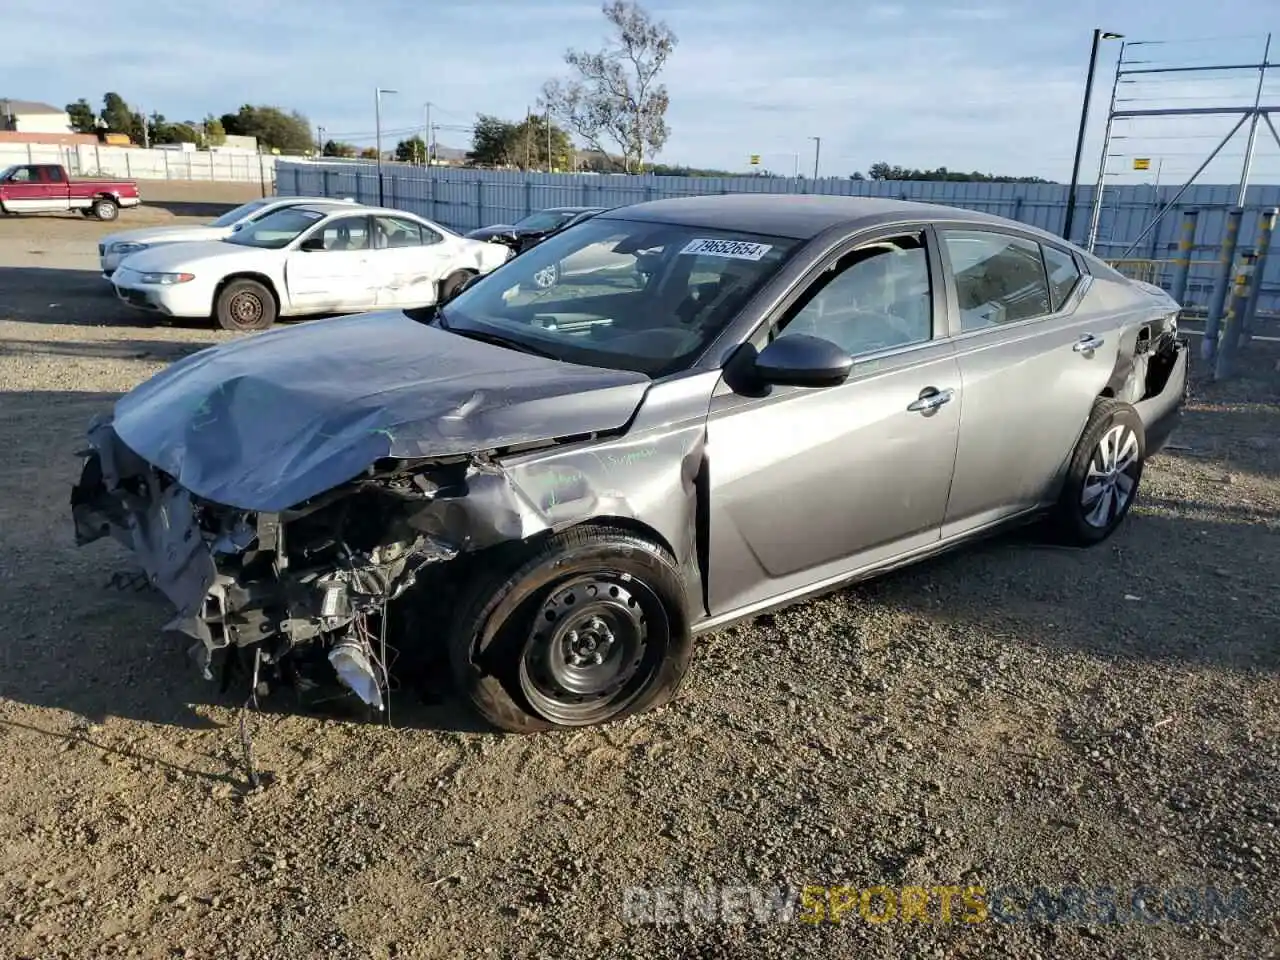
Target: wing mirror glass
[(312, 244), (802, 360)]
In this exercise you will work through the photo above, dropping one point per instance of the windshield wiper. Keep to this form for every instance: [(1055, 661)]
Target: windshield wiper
[(497, 339)]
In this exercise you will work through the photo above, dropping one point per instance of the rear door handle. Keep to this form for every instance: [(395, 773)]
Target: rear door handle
[(1087, 344), (931, 398)]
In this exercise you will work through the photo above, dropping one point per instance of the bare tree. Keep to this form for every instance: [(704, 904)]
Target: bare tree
[(614, 97)]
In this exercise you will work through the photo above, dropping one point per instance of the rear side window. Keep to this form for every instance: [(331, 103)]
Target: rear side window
[(53, 175), (1063, 275), (999, 278)]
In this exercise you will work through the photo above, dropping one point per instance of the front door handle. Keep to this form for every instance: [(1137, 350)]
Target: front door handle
[(1087, 344), (931, 398)]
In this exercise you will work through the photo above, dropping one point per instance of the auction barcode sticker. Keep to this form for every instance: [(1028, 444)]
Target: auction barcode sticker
[(734, 249)]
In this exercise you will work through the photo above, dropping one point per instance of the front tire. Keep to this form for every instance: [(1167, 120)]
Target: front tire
[(586, 627), (452, 285), (104, 208), (1103, 475), (244, 306)]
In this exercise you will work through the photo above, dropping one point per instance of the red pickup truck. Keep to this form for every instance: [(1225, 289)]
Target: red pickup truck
[(46, 188)]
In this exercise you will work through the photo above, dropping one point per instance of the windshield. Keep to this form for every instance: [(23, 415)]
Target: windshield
[(7, 172), (542, 220), (623, 294), (232, 217), (276, 230)]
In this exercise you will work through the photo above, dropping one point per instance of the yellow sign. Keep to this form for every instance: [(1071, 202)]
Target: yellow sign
[(755, 159), (1142, 163)]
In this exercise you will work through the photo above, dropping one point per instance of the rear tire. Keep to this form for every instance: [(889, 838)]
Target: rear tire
[(1103, 475), (585, 627), (104, 208), (245, 305), (452, 285)]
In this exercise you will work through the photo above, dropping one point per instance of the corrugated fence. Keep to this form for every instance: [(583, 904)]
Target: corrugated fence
[(464, 199)]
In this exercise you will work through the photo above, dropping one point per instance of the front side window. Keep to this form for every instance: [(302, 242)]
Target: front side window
[(1063, 275), (54, 175), (276, 230), (999, 278), (624, 294), (21, 175), (876, 298)]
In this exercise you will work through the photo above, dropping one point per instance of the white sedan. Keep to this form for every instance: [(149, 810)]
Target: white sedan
[(322, 257), (114, 247)]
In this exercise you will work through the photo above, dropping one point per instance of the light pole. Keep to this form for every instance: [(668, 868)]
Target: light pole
[(817, 151), (377, 120), (1098, 35)]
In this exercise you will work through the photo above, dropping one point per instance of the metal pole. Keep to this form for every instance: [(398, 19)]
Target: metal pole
[(795, 166), (1218, 299), (817, 152), (1266, 228), (1186, 247), (426, 135), (377, 120), (1225, 364), (1084, 120), (1253, 126), (1096, 215), (1183, 189)]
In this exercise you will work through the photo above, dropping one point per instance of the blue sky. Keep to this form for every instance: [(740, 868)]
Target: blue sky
[(987, 84)]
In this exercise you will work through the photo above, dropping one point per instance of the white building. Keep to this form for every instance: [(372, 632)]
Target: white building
[(28, 116)]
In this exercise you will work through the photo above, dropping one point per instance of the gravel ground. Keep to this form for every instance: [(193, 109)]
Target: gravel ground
[(1010, 715)]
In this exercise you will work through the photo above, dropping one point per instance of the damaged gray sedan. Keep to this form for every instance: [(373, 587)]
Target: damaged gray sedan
[(553, 489)]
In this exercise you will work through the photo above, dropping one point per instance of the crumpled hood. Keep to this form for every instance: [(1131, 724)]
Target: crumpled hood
[(171, 256), (154, 235), (267, 421)]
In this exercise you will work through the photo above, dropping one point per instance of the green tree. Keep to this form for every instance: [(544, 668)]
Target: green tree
[(214, 134), (614, 95), (120, 119), (369, 153), (83, 119), (413, 150), (529, 145), (336, 148), (492, 142), (272, 126), (885, 171)]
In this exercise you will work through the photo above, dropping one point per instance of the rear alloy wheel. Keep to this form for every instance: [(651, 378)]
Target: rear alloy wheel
[(245, 305), (587, 627), (547, 277), (1104, 474), (104, 208)]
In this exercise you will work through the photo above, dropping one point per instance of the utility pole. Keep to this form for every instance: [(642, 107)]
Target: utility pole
[(547, 121), (426, 131), (319, 141), (146, 131), (528, 115), (817, 152)]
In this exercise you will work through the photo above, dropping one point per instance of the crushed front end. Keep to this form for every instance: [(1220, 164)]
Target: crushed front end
[(317, 576)]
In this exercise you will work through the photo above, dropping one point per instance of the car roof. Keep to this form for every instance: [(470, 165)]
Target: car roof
[(796, 216)]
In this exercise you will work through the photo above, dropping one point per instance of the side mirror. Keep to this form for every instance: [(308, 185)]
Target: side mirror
[(238, 227), (801, 360), (312, 244)]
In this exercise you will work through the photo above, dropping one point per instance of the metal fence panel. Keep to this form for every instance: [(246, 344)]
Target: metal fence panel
[(464, 199), (136, 163)]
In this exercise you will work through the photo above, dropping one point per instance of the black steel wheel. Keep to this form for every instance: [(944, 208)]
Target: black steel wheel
[(586, 627), (244, 305)]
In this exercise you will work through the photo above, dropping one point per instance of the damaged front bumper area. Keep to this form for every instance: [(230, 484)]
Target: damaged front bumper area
[(314, 574)]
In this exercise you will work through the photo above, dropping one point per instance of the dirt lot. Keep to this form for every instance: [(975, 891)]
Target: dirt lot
[(1011, 715)]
